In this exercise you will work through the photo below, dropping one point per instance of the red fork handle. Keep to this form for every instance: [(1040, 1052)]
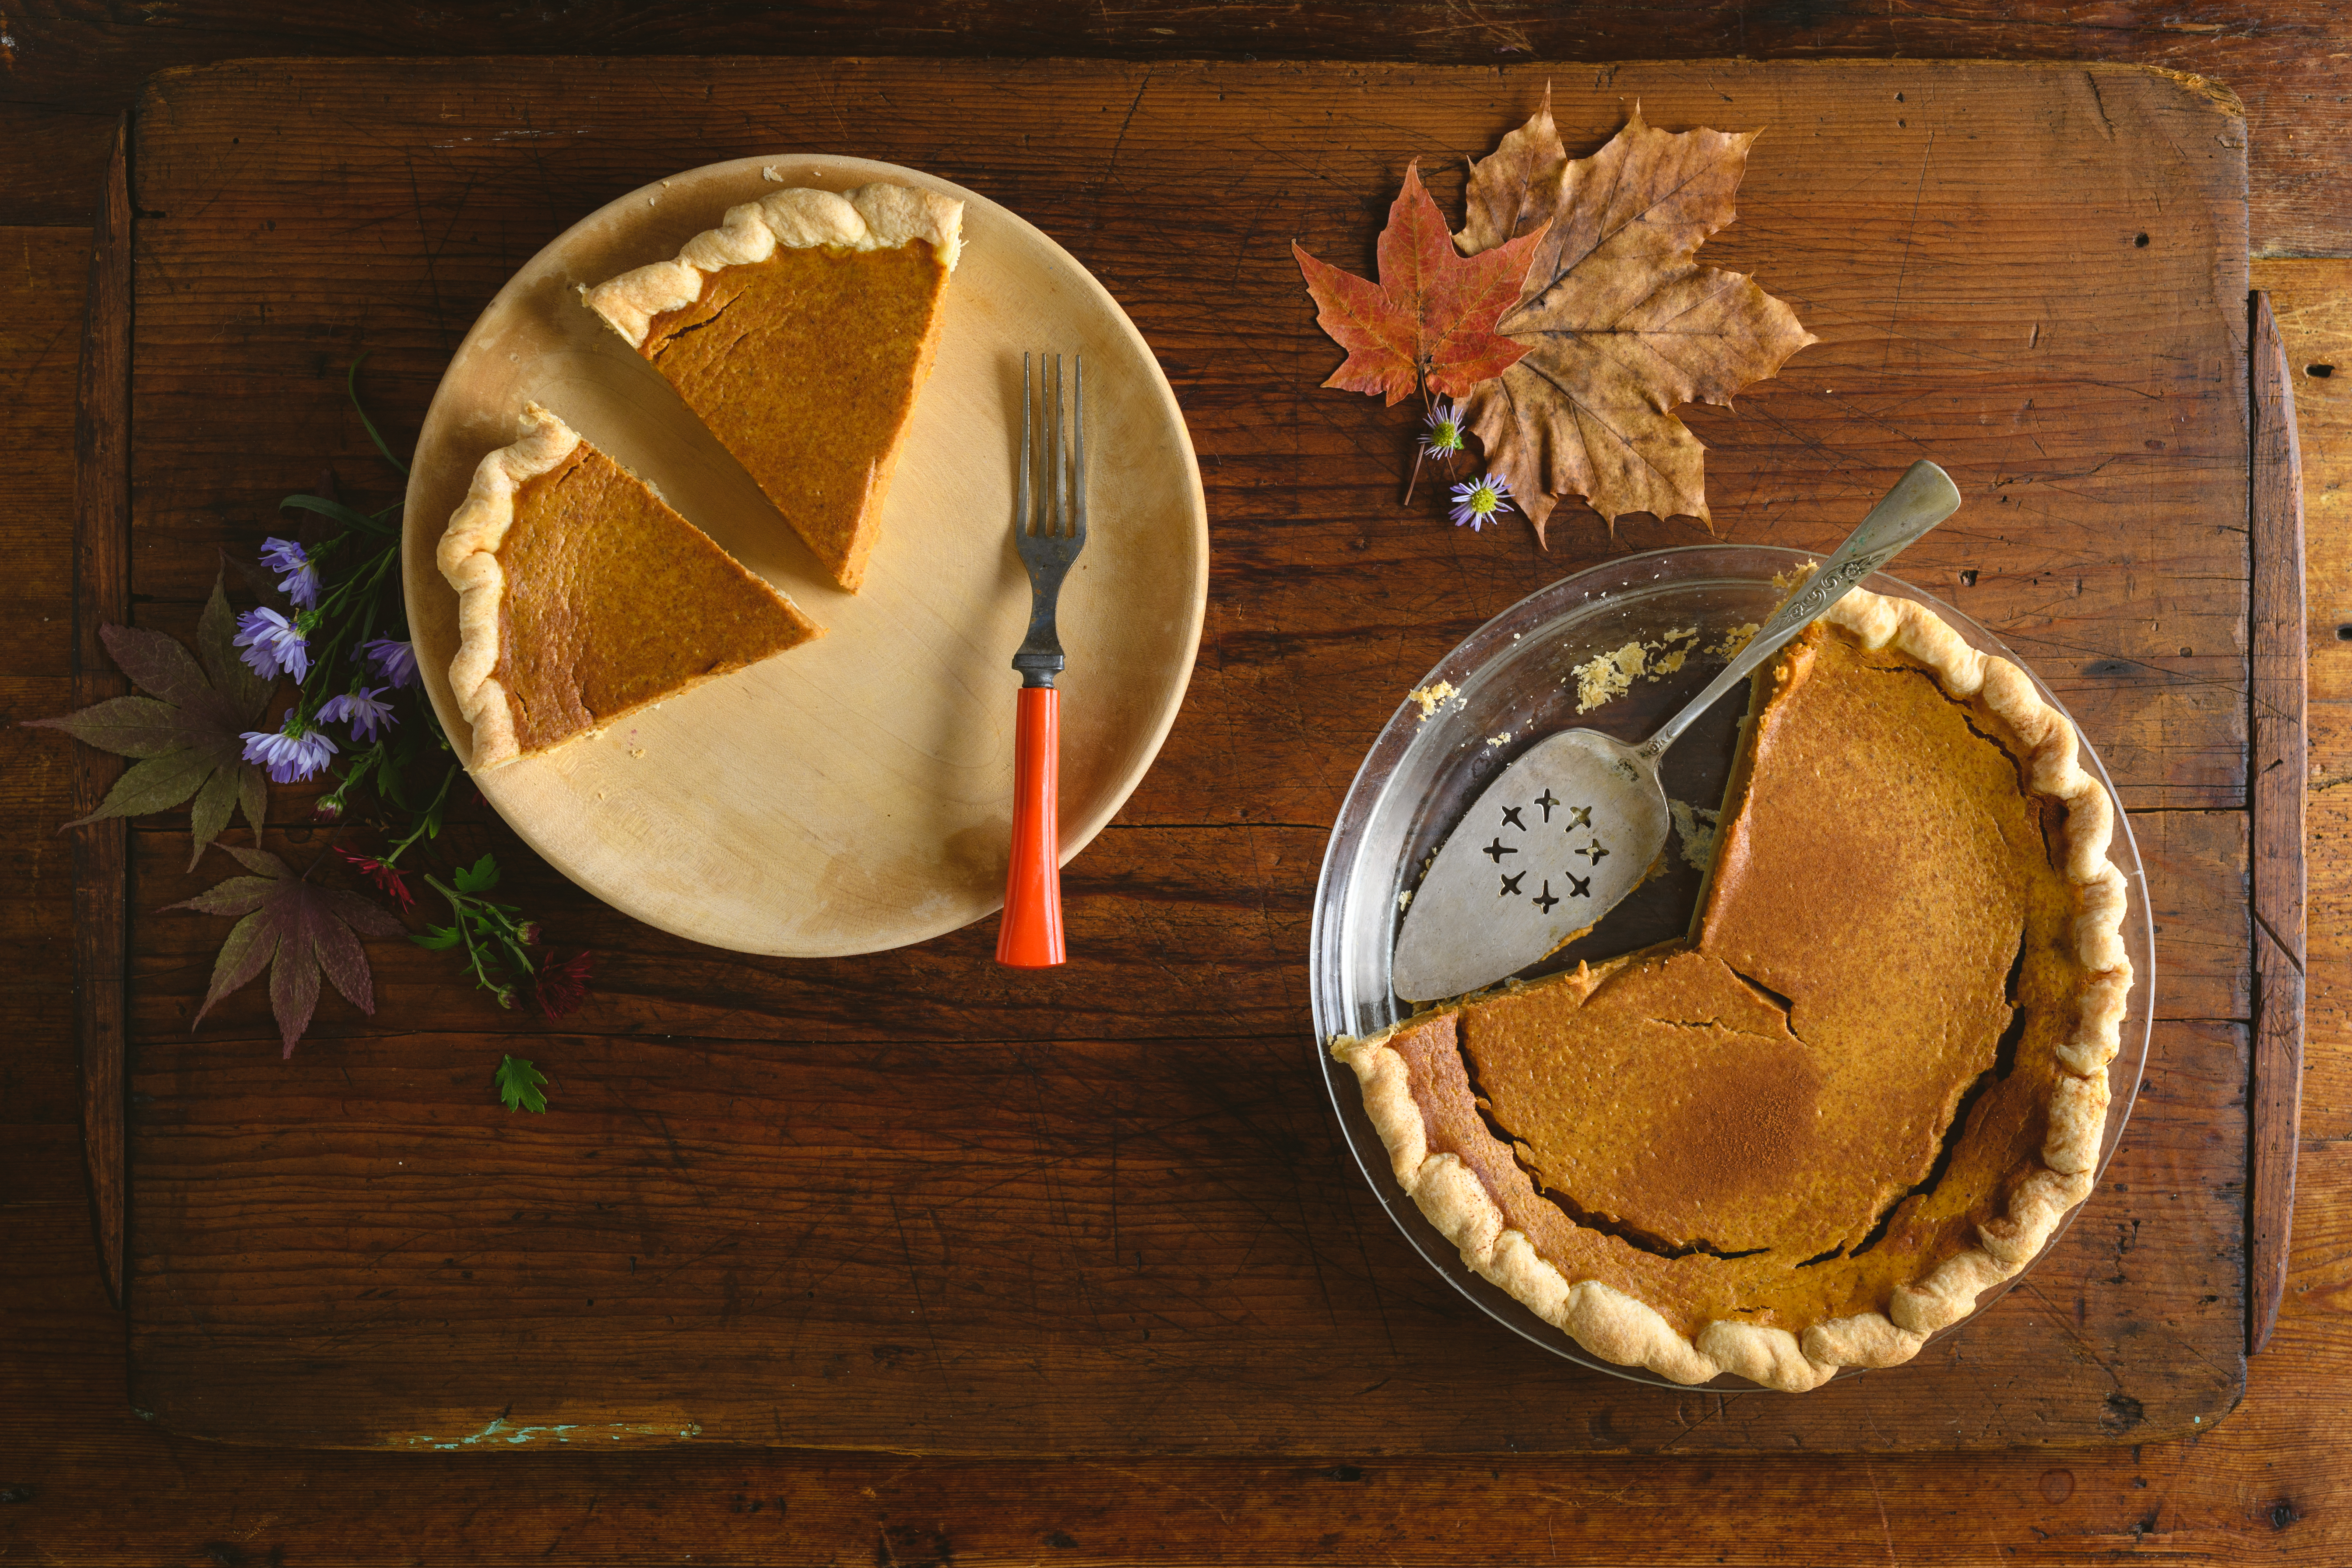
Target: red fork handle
[(1031, 934)]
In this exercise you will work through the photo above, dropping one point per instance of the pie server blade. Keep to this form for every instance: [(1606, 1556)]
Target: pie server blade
[(1575, 824), (1560, 836)]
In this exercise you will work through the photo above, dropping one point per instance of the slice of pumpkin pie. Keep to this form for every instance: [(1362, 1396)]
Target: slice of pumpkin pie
[(800, 332), (581, 597)]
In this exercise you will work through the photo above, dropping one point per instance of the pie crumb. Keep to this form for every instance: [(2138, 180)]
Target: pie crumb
[(1605, 676), (1404, 900), (1612, 675), (1433, 697), (1694, 825), (637, 750), (1733, 641), (1501, 740)]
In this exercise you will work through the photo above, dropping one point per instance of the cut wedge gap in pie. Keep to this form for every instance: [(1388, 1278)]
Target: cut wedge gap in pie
[(1866, 1087), (581, 597), (800, 332)]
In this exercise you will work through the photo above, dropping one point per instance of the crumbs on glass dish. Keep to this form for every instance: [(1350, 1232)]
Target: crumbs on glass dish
[(1733, 641), (1607, 675), (1433, 697)]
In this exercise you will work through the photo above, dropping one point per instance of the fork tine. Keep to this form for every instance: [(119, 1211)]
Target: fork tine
[(1078, 444), (1053, 455), (1028, 457)]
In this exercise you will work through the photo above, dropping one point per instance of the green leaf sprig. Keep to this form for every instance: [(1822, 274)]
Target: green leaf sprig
[(519, 1085)]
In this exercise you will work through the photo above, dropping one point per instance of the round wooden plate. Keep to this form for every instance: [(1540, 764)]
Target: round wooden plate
[(855, 794)]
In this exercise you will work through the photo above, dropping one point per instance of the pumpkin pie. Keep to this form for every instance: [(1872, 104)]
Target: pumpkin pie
[(581, 597), (1867, 1085), (800, 332)]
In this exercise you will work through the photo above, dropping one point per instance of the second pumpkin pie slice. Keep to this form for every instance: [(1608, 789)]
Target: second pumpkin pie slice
[(800, 332), (581, 597)]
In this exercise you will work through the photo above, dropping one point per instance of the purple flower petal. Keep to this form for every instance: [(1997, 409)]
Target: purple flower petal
[(1476, 501), (297, 574), (392, 659), (1444, 428), (273, 645), (360, 709), (290, 758)]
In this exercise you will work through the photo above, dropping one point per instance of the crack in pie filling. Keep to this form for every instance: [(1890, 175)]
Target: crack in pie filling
[(1868, 1087)]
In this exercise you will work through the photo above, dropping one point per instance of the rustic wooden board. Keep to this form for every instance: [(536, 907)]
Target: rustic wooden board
[(74, 68), (879, 1209), (97, 1486)]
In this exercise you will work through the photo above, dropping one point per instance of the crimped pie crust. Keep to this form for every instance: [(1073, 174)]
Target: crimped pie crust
[(833, 308), (871, 217), (468, 556), (1618, 1327), (748, 619)]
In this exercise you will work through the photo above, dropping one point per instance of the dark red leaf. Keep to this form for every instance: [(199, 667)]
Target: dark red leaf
[(298, 930)]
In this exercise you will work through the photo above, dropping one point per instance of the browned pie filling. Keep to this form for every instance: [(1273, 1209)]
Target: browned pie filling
[(612, 601), (805, 366)]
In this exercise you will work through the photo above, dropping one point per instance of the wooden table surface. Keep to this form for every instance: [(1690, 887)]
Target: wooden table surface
[(83, 1481)]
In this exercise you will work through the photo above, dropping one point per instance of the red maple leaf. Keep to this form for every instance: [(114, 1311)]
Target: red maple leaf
[(1431, 318)]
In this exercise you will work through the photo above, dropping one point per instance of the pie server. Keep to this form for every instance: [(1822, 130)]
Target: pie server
[(1575, 824)]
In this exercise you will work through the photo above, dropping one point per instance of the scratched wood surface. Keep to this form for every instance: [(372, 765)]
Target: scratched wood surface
[(71, 66), (82, 1479), (915, 1202)]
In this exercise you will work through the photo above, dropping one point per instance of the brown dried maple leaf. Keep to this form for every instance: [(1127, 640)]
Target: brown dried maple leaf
[(1430, 321), (1620, 324)]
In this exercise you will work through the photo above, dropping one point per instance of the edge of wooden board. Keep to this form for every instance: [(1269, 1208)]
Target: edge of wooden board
[(102, 572)]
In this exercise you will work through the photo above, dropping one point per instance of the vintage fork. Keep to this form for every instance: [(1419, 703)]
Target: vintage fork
[(1048, 532)]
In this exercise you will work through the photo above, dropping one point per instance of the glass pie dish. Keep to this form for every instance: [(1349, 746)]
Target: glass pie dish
[(1505, 687)]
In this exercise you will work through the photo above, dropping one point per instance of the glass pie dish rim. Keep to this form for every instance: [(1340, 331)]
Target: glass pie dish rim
[(1343, 1008)]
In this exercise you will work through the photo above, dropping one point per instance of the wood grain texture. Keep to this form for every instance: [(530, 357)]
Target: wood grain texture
[(1975, 301), (879, 1205), (2277, 781), (102, 598), (74, 64), (91, 1483)]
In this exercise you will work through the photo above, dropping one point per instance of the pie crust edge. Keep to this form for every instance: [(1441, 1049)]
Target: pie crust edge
[(468, 556), (1621, 1328), (878, 217)]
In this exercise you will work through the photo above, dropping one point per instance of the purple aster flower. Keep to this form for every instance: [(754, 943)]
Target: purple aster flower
[(273, 645), (299, 579), (359, 707), (290, 754), (392, 659), (1446, 429), (1479, 501)]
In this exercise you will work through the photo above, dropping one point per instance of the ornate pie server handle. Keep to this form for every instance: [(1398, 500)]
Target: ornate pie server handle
[(1924, 496)]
